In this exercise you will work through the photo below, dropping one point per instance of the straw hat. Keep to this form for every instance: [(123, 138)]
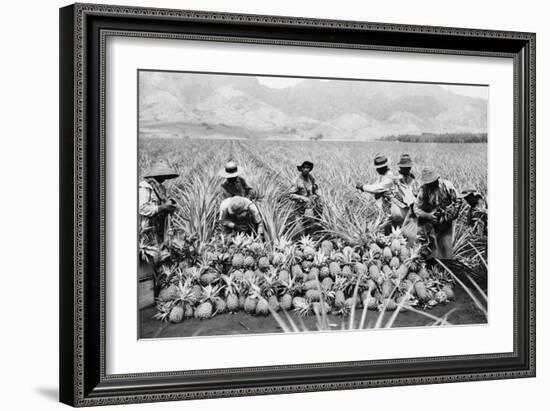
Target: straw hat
[(161, 168), (470, 191), (429, 175), (405, 161), (238, 204), (305, 164), (231, 170), (380, 161)]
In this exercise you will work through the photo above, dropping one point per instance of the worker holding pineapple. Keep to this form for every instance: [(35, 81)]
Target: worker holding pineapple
[(385, 192), (155, 208), (437, 206), (240, 215), (477, 210), (304, 193), (235, 184)]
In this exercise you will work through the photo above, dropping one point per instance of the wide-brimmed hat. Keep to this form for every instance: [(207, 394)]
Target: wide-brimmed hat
[(231, 170), (162, 168), (380, 161), (238, 204), (470, 191), (429, 175), (405, 161), (305, 164)]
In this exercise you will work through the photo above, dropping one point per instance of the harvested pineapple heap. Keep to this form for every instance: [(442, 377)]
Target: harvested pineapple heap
[(241, 273)]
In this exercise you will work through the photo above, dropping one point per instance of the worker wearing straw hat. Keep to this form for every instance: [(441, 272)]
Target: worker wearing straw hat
[(437, 206), (477, 210), (304, 193), (155, 208), (235, 184), (154, 204), (240, 215), (384, 192)]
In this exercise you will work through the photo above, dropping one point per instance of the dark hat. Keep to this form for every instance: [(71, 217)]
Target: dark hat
[(405, 161), (161, 168), (470, 191), (305, 164), (231, 170), (429, 175), (380, 161)]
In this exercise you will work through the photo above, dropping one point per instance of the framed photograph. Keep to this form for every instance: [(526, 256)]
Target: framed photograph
[(262, 204)]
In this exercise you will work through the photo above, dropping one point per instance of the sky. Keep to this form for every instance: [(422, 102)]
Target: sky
[(470, 91)]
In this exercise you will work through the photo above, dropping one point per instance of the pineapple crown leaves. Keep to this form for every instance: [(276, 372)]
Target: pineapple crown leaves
[(320, 258), (163, 310), (209, 293), (231, 285)]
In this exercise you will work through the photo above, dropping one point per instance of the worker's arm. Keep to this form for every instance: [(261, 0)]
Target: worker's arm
[(383, 186), (256, 219), (147, 207), (295, 191), (420, 212), (450, 212)]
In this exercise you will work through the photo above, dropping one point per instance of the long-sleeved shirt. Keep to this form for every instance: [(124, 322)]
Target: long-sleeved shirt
[(237, 187), (153, 223), (252, 213), (303, 187), (383, 190), (407, 189), (444, 197)]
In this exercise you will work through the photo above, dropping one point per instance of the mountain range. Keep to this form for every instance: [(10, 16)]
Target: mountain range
[(212, 105)]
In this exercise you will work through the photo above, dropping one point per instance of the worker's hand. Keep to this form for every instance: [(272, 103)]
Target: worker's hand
[(359, 186), (432, 218), (229, 224)]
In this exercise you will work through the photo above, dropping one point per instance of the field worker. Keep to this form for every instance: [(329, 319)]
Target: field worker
[(155, 207), (406, 177), (407, 189), (384, 190), (436, 207), (304, 193), (240, 215), (477, 212), (235, 184)]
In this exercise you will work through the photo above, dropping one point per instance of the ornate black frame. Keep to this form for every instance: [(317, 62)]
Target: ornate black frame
[(83, 30)]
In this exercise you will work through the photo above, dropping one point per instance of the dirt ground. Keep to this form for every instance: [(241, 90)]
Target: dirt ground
[(463, 312)]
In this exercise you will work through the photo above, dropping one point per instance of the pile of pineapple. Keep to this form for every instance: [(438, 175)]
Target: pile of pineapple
[(307, 277)]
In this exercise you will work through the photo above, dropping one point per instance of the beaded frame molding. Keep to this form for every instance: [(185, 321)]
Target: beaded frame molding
[(84, 29)]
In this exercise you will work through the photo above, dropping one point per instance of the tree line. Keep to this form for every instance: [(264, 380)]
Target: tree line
[(438, 138)]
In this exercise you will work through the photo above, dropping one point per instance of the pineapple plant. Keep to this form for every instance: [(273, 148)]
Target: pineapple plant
[(308, 247)]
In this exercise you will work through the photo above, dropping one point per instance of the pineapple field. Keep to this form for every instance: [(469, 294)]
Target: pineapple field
[(347, 275)]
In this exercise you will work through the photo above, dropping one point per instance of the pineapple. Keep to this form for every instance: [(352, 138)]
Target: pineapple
[(189, 311), (313, 273), (404, 253), (339, 298), (170, 293), (327, 246), (262, 307), (374, 250), (360, 269), (424, 274), (402, 271), (242, 300), (232, 302), (237, 261), (312, 285), (374, 272), (421, 291), (204, 310), (346, 271), (327, 283), (250, 304), (284, 276), (278, 259), (297, 271), (176, 314), (396, 246), (394, 263), (386, 270), (387, 253), (209, 277), (301, 306), (263, 263), (320, 307), (387, 304), (324, 272), (249, 261), (286, 302), (273, 303), (221, 305), (448, 292), (306, 265), (238, 275), (334, 268), (440, 296), (308, 247), (313, 295)]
